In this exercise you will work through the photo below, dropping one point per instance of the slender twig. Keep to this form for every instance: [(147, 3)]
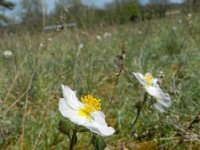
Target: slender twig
[(139, 106), (195, 120), (121, 58)]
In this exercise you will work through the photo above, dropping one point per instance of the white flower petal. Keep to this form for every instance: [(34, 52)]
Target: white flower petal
[(157, 93), (99, 129), (140, 77), (159, 106), (155, 83), (99, 117), (70, 98), (98, 125), (70, 113), (165, 100), (154, 91)]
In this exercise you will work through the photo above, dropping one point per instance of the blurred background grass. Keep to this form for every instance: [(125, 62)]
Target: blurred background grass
[(87, 60)]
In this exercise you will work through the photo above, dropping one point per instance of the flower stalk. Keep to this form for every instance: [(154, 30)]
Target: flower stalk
[(73, 139), (98, 142), (139, 106)]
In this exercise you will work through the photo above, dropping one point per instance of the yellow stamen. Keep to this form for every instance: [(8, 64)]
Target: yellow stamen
[(91, 101), (149, 78), (91, 104)]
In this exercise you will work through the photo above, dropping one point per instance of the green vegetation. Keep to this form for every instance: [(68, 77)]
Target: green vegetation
[(31, 78)]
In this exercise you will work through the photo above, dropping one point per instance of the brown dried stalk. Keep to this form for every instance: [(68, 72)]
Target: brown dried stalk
[(121, 67), (194, 121)]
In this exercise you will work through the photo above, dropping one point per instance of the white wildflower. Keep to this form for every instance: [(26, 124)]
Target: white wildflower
[(174, 28), (189, 15), (106, 34), (80, 46), (151, 86), (41, 45), (98, 37), (86, 113), (139, 32), (50, 39), (7, 54)]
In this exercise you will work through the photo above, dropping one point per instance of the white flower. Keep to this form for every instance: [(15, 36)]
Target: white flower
[(107, 34), (139, 32), (80, 46), (189, 15), (151, 86), (98, 37), (7, 54), (49, 39), (174, 28), (41, 45), (86, 113)]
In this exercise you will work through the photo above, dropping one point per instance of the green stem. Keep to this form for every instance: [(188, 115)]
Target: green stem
[(73, 138), (139, 109)]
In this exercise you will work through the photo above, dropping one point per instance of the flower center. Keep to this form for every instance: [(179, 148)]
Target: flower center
[(91, 104), (148, 78)]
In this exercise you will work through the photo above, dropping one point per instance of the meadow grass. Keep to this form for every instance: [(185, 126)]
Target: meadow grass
[(31, 78)]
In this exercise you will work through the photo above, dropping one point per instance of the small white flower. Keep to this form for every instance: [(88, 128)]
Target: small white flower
[(98, 37), (80, 46), (174, 28), (151, 86), (189, 15), (139, 32), (106, 34), (41, 45), (7, 54), (49, 39), (86, 113)]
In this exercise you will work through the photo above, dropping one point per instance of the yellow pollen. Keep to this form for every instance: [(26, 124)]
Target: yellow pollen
[(91, 104), (149, 78), (91, 101)]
